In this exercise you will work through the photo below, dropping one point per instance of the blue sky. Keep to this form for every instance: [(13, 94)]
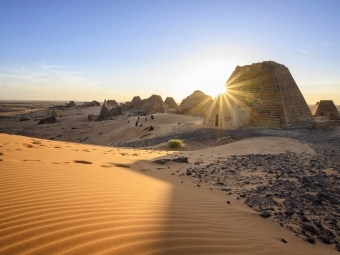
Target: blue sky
[(85, 50)]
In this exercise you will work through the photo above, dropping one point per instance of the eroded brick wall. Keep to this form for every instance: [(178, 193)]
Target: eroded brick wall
[(270, 90)]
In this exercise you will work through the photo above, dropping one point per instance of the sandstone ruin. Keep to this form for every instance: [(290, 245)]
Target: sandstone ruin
[(170, 105), (146, 109), (195, 103), (156, 103), (107, 112), (71, 104), (136, 101), (325, 108), (91, 104), (51, 112), (112, 103), (260, 95)]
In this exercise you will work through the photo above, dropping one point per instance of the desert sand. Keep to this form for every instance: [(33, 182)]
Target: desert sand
[(87, 187), (68, 198)]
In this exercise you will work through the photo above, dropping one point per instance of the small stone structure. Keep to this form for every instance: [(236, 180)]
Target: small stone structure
[(107, 112), (260, 95), (325, 108), (91, 104), (71, 104)]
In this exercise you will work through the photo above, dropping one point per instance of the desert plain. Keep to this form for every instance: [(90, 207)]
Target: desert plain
[(111, 187)]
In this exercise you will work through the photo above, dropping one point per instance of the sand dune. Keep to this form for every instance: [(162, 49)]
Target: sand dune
[(64, 198)]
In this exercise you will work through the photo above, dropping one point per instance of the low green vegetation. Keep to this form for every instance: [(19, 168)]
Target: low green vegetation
[(174, 143), (145, 135)]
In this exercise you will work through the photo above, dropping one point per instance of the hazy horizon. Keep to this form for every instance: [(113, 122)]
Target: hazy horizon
[(92, 50)]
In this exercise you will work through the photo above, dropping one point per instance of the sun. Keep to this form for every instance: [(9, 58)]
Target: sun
[(208, 76)]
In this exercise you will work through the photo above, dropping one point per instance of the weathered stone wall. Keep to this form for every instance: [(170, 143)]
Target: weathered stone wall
[(295, 106), (253, 86), (270, 91)]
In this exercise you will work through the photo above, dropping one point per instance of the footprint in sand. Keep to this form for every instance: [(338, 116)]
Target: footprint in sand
[(28, 145), (107, 166), (122, 165), (82, 162)]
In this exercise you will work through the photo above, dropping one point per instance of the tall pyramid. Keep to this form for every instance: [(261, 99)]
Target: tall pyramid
[(269, 90)]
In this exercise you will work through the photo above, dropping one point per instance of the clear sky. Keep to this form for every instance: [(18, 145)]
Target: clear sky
[(85, 50)]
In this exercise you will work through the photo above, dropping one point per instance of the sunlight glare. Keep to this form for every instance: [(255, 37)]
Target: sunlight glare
[(207, 76)]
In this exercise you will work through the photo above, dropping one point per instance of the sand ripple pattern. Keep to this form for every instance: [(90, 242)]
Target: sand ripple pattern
[(75, 208)]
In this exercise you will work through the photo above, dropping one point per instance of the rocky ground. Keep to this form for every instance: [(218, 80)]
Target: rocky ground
[(300, 192)]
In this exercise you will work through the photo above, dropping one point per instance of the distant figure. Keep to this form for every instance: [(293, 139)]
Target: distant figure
[(136, 123), (141, 125), (152, 116), (128, 121), (138, 116), (146, 119)]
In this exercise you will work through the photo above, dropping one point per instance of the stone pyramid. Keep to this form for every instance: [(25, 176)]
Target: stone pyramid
[(325, 108), (269, 90)]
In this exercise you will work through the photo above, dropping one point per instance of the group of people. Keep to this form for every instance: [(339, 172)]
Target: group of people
[(146, 119)]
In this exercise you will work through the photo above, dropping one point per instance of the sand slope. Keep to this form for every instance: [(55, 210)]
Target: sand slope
[(108, 133), (63, 198)]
